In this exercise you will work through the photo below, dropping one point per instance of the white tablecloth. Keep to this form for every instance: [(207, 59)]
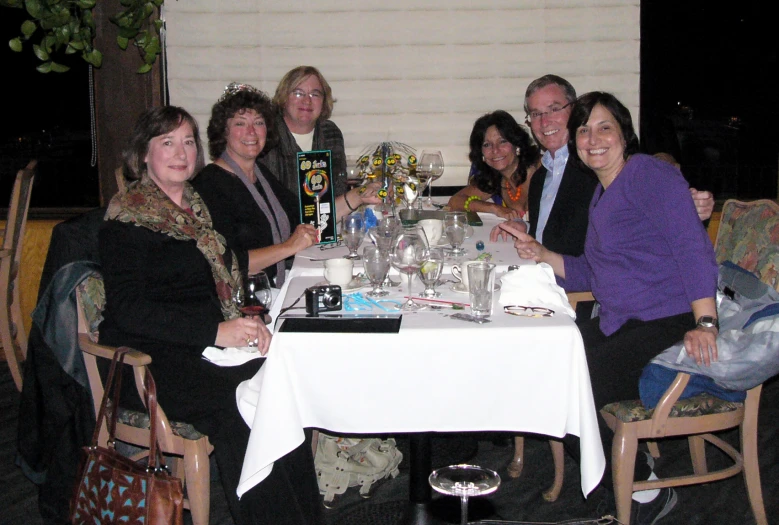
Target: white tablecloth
[(437, 374)]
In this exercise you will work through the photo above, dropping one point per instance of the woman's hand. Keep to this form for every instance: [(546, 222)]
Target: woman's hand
[(503, 234), (529, 248), (701, 344), (368, 194), (304, 236), (507, 213), (240, 332), (704, 203)]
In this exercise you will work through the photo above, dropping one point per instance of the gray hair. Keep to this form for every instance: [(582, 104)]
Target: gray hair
[(548, 80)]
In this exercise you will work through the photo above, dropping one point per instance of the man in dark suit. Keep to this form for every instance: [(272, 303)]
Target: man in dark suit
[(559, 195)]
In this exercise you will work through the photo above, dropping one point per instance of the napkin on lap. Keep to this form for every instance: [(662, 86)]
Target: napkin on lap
[(534, 285), (230, 356)]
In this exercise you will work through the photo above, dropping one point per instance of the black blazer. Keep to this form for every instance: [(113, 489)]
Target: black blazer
[(566, 227)]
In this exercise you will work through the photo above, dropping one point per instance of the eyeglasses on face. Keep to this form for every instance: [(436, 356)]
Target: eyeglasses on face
[(536, 115), (528, 311), (315, 95)]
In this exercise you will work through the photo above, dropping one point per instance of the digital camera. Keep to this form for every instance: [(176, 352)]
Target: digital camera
[(325, 298)]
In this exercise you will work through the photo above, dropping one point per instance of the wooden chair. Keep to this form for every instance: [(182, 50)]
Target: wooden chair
[(518, 461), (749, 236), (190, 449), (12, 334)]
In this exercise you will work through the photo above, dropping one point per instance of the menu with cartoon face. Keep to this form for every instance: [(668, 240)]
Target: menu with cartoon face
[(317, 200)]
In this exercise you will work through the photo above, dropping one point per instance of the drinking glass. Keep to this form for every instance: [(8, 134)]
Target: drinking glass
[(376, 265), (432, 163), (464, 481), (481, 285), (254, 297), (411, 190), (382, 235), (353, 231), (430, 272), (408, 252), (455, 226)]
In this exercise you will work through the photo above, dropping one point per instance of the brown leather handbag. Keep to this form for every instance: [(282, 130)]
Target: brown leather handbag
[(114, 489)]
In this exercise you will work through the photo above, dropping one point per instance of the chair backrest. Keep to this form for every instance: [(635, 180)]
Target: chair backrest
[(748, 236), (90, 298), (12, 334)]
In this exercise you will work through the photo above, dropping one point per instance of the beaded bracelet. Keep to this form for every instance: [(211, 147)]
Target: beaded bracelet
[(348, 204), (469, 200)]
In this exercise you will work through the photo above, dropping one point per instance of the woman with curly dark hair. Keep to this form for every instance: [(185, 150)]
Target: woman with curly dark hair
[(249, 205), (503, 159)]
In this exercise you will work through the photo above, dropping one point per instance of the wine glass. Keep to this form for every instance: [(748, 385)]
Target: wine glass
[(376, 265), (455, 226), (411, 190), (408, 252), (432, 163), (430, 271), (352, 231), (464, 481), (254, 297)]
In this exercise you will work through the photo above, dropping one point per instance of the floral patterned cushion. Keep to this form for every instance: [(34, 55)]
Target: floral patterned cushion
[(701, 405), (141, 420), (749, 237), (91, 293)]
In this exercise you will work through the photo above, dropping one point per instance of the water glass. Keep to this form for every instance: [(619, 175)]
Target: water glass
[(481, 285), (376, 264), (430, 272), (455, 227), (353, 231)]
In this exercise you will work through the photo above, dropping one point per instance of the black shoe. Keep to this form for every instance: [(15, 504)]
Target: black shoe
[(652, 512)]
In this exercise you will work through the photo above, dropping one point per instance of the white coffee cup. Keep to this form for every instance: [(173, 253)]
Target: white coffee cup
[(339, 271), (434, 229), (460, 272)]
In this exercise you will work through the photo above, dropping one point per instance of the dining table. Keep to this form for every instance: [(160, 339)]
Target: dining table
[(434, 374)]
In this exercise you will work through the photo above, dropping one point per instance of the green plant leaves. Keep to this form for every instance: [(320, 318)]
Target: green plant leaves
[(68, 27)]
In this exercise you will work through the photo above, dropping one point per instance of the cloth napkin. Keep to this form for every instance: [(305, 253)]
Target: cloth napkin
[(230, 356), (534, 285)]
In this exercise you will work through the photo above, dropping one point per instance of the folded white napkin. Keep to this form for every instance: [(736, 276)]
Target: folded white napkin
[(231, 356), (534, 285)]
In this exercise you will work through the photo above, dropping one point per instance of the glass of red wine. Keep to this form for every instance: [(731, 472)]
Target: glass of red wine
[(254, 297)]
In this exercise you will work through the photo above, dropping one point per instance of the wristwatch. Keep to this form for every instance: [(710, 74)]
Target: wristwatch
[(707, 321)]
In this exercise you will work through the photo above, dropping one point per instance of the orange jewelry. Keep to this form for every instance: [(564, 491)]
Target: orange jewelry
[(513, 196)]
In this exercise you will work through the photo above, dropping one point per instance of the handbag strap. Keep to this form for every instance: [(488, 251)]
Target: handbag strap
[(114, 382), (117, 359)]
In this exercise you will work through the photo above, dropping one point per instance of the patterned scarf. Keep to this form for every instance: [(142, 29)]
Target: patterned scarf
[(146, 205)]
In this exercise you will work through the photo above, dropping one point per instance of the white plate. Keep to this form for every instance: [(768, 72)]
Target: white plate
[(459, 288), (354, 285)]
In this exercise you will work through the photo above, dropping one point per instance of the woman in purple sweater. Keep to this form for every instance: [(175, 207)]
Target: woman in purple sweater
[(647, 258)]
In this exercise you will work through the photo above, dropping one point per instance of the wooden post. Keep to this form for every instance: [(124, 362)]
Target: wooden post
[(121, 95)]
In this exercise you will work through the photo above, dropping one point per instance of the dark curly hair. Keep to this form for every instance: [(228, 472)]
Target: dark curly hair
[(233, 105), (152, 123), (486, 178), (580, 114)]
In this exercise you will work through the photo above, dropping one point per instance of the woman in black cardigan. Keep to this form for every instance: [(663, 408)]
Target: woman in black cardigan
[(250, 207)]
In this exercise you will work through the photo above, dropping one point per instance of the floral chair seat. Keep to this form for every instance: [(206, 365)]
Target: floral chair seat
[(701, 405)]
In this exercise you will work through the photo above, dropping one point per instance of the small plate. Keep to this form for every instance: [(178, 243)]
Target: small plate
[(460, 288), (355, 284)]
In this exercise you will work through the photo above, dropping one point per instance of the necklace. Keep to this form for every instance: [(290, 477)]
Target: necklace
[(513, 196)]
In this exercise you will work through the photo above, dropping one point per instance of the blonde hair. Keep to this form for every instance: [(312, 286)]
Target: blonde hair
[(293, 78)]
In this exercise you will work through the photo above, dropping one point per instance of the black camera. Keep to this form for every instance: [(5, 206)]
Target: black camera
[(325, 298)]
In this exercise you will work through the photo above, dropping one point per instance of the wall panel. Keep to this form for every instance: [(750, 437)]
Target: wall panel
[(417, 72)]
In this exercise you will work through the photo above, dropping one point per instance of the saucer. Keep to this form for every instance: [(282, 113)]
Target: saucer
[(355, 284), (460, 288)]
